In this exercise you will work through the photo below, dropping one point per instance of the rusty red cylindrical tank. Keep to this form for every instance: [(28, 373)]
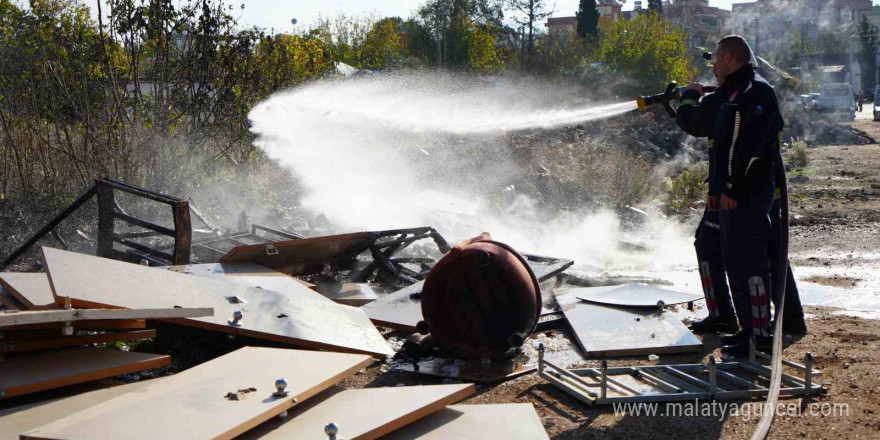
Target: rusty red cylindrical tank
[(481, 300)]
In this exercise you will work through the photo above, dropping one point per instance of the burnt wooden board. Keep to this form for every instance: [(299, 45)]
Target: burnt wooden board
[(31, 289), (300, 321), (605, 331), (192, 404), (402, 310), (13, 346), (250, 275), (633, 295), (295, 257), (362, 414), (25, 373), (513, 421)]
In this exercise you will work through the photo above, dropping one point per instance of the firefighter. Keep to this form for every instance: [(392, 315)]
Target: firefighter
[(744, 122), (699, 122)]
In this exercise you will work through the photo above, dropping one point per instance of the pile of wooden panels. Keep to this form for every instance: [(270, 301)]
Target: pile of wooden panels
[(47, 348), (237, 395), (250, 393)]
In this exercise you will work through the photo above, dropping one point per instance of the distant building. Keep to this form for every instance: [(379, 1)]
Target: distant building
[(770, 24), (705, 24), (609, 12), (873, 15), (638, 8), (561, 25)]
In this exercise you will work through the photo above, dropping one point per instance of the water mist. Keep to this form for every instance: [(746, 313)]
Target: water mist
[(396, 151)]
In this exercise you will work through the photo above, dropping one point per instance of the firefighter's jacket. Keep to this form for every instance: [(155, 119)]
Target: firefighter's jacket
[(744, 125)]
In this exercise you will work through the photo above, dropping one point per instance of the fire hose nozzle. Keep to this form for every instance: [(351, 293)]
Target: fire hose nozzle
[(672, 92)]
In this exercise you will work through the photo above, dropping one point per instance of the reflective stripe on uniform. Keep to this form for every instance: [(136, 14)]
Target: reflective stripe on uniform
[(711, 143), (760, 307), (708, 288), (685, 102)]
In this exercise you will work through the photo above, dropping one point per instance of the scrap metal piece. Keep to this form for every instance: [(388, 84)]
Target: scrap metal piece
[(671, 383)]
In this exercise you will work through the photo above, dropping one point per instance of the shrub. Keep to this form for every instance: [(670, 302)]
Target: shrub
[(688, 187), (797, 154)]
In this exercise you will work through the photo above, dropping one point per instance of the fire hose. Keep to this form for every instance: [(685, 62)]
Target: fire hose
[(674, 92)]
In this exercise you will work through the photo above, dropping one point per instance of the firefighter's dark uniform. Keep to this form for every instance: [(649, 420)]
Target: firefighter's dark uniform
[(699, 121), (744, 122)]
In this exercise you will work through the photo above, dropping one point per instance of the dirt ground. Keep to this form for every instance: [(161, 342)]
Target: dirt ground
[(835, 233)]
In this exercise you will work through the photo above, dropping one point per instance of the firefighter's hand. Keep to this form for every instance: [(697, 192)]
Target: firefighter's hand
[(696, 86), (727, 203), (712, 203)]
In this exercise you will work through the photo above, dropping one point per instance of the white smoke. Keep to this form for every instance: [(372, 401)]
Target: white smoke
[(424, 149)]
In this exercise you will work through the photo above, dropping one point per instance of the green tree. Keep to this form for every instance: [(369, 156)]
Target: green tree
[(481, 51), (385, 45), (530, 12), (287, 60), (587, 18), (655, 6), (647, 52), (453, 24)]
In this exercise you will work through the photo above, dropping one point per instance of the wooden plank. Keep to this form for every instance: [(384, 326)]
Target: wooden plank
[(26, 373), (192, 404), (31, 289), (46, 316), (633, 295), (20, 419), (603, 331), (363, 414), (100, 324), (302, 321), (402, 310), (13, 346), (352, 294), (8, 302), (296, 257), (251, 275), (513, 421)]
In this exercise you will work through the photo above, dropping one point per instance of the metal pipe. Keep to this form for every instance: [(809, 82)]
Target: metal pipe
[(143, 223), (122, 186)]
